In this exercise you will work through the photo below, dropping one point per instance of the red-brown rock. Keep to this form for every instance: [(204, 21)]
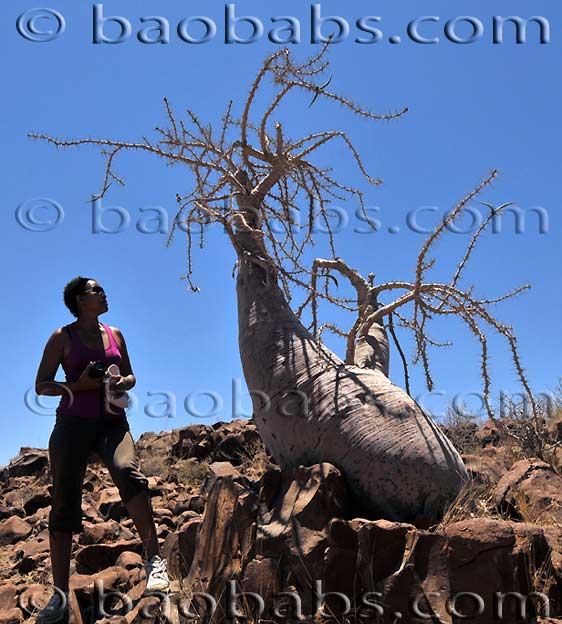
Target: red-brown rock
[(96, 557), (531, 488), (14, 530)]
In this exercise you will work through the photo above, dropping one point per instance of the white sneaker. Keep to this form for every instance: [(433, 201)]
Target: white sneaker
[(55, 610), (157, 574)]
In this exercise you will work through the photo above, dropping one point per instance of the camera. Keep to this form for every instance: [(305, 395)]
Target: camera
[(98, 369)]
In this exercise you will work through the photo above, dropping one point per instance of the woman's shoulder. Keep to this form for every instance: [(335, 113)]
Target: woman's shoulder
[(61, 332), (60, 337), (117, 335)]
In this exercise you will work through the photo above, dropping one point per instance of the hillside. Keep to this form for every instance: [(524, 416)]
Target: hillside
[(226, 512)]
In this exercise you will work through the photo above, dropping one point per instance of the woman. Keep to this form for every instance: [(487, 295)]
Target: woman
[(85, 423)]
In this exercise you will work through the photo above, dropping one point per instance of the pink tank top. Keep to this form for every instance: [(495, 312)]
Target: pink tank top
[(89, 403)]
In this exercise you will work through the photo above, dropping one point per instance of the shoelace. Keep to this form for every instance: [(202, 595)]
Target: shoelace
[(157, 567)]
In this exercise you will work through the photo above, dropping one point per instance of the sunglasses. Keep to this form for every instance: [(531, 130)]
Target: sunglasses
[(98, 290)]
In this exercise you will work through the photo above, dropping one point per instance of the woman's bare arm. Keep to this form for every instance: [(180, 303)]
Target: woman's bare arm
[(128, 379)]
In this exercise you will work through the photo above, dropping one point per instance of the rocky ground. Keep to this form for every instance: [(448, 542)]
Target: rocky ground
[(231, 524)]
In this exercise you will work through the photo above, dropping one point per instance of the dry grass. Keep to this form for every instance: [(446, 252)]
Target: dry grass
[(475, 500), (189, 472), (155, 466), (460, 426), (545, 515), (255, 460)]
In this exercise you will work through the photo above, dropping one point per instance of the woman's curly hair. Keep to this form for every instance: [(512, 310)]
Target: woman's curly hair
[(71, 290)]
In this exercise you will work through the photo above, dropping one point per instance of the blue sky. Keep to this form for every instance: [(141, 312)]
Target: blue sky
[(472, 107)]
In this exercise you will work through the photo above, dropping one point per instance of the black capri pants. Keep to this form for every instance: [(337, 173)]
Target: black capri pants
[(71, 442)]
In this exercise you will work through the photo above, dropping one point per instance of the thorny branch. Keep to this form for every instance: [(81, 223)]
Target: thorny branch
[(249, 175)]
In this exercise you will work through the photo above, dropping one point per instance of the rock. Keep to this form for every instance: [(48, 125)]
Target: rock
[(8, 599), (144, 611), (181, 506), (13, 497), (307, 499), (34, 597), (216, 557), (91, 513), (483, 469), (30, 461), (188, 437), (179, 547), (236, 442), (531, 489), (7, 511), (287, 525), (489, 434), (111, 578), (150, 443), (297, 531), (344, 534), (231, 449), (197, 504), (92, 481), (108, 531), (262, 577), (285, 529), (33, 552), (163, 512), (37, 501), (11, 616), (487, 556), (14, 530), (111, 506), (217, 470), (93, 558), (184, 516), (129, 560), (40, 519)]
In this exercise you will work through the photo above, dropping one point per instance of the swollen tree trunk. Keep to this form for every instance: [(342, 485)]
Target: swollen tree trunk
[(310, 407)]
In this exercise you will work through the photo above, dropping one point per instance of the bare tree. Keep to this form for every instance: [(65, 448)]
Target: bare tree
[(309, 404)]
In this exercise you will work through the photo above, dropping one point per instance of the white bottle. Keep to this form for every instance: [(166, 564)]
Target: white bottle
[(113, 399)]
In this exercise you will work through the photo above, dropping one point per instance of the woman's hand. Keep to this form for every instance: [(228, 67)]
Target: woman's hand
[(86, 381), (121, 383), (118, 383)]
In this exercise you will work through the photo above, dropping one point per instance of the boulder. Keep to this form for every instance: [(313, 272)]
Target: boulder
[(7, 511), (110, 579), (11, 616), (111, 506), (14, 530), (483, 469), (33, 598), (104, 532), (129, 560), (29, 461), (8, 598), (96, 557), (217, 552), (531, 490), (40, 519), (179, 547), (32, 552), (187, 439), (36, 501), (298, 532), (218, 470)]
